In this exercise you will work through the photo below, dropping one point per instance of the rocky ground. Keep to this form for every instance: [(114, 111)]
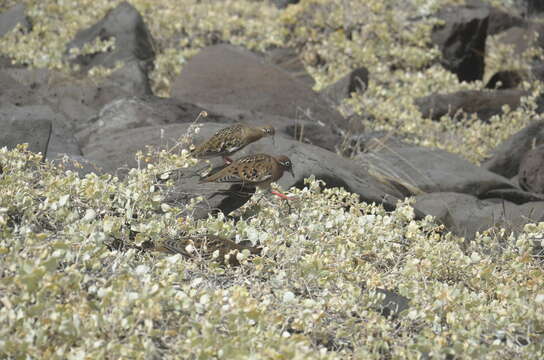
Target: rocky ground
[(416, 136)]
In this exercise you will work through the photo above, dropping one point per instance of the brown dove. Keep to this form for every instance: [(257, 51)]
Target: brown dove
[(253, 171), (231, 139), (204, 246)]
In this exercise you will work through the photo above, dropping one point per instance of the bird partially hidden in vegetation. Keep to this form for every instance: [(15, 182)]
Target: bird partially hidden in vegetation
[(205, 246), (254, 171), (231, 139)]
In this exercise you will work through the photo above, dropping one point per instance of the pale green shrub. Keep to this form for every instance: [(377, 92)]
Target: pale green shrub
[(311, 294), (64, 294)]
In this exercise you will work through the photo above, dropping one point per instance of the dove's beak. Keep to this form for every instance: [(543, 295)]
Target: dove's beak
[(292, 172)]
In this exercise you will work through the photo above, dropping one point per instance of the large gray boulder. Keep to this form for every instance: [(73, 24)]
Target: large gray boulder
[(464, 214), (507, 156), (225, 74), (416, 170)]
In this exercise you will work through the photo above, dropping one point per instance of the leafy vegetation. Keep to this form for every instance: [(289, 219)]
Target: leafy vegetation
[(310, 294), (67, 292)]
